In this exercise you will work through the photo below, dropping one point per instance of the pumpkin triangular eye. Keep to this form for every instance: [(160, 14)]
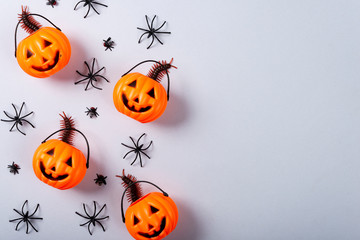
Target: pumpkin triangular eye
[(132, 84), (47, 43), (151, 93), (69, 162), (50, 152), (153, 209), (29, 53), (136, 220)]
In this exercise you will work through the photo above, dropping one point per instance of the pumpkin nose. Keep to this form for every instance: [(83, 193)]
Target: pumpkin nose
[(150, 227), (136, 100), (53, 168), (45, 60)]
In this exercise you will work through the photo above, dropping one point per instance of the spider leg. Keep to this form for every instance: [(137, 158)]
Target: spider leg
[(101, 225), (151, 41), (147, 146), (97, 75), (137, 143), (92, 66), (8, 115), (13, 220), (32, 226), (22, 105), (98, 71), (28, 122), (94, 9), (99, 210), (27, 115), (16, 112), (158, 39), (81, 74), (142, 36), (152, 22), (83, 224), (37, 207), (17, 225), (137, 154), (94, 209), (145, 154), (87, 85), (133, 141), (147, 21), (94, 85), (12, 126), (86, 211), (82, 80), (87, 11), (128, 153), (140, 160), (164, 32), (128, 146), (160, 26), (19, 129), (4, 120), (78, 4)]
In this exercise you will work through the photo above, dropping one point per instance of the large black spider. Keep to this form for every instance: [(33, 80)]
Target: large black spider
[(91, 76), (152, 31), (138, 149), (108, 44), (14, 168), (26, 218), (92, 112), (52, 3), (90, 5), (100, 179), (92, 219), (18, 119)]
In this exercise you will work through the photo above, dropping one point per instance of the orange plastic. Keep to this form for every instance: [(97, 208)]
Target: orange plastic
[(59, 164), (140, 97), (44, 52), (153, 217)]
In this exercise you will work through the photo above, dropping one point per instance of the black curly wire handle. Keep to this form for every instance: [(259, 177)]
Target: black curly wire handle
[(30, 14), (122, 198), (167, 74), (87, 143)]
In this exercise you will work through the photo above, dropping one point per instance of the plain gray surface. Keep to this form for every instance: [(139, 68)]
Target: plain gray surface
[(260, 139)]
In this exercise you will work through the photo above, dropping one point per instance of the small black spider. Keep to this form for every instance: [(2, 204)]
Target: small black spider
[(92, 219), (51, 3), (152, 31), (26, 218), (108, 44), (14, 168), (92, 112), (138, 149), (100, 179), (90, 3), (18, 119), (91, 76)]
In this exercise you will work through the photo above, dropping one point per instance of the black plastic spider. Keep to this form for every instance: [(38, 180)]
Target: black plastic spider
[(92, 112), (26, 218), (90, 3), (152, 31), (100, 179), (91, 76), (18, 119), (14, 168), (138, 149), (92, 219), (108, 44), (51, 3)]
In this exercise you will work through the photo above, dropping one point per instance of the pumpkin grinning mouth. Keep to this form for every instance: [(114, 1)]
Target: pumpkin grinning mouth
[(156, 233), (49, 176), (49, 66), (126, 103)]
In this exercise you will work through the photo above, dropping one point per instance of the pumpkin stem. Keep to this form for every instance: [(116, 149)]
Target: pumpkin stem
[(68, 124), (28, 23), (134, 192), (158, 71)]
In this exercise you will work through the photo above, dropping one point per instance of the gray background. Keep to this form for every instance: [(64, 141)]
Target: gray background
[(260, 137)]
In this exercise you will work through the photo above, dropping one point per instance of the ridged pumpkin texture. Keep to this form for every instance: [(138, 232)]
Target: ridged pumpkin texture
[(140, 97), (44, 52), (153, 216), (59, 164)]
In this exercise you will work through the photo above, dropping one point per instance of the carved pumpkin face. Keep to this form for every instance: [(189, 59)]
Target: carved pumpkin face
[(44, 52), (59, 164), (153, 216), (140, 97)]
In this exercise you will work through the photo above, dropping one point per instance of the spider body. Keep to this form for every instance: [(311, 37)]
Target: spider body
[(90, 4), (151, 31), (52, 3), (92, 112), (26, 218), (14, 168), (137, 149), (18, 119), (108, 44), (91, 76), (100, 179), (92, 219)]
